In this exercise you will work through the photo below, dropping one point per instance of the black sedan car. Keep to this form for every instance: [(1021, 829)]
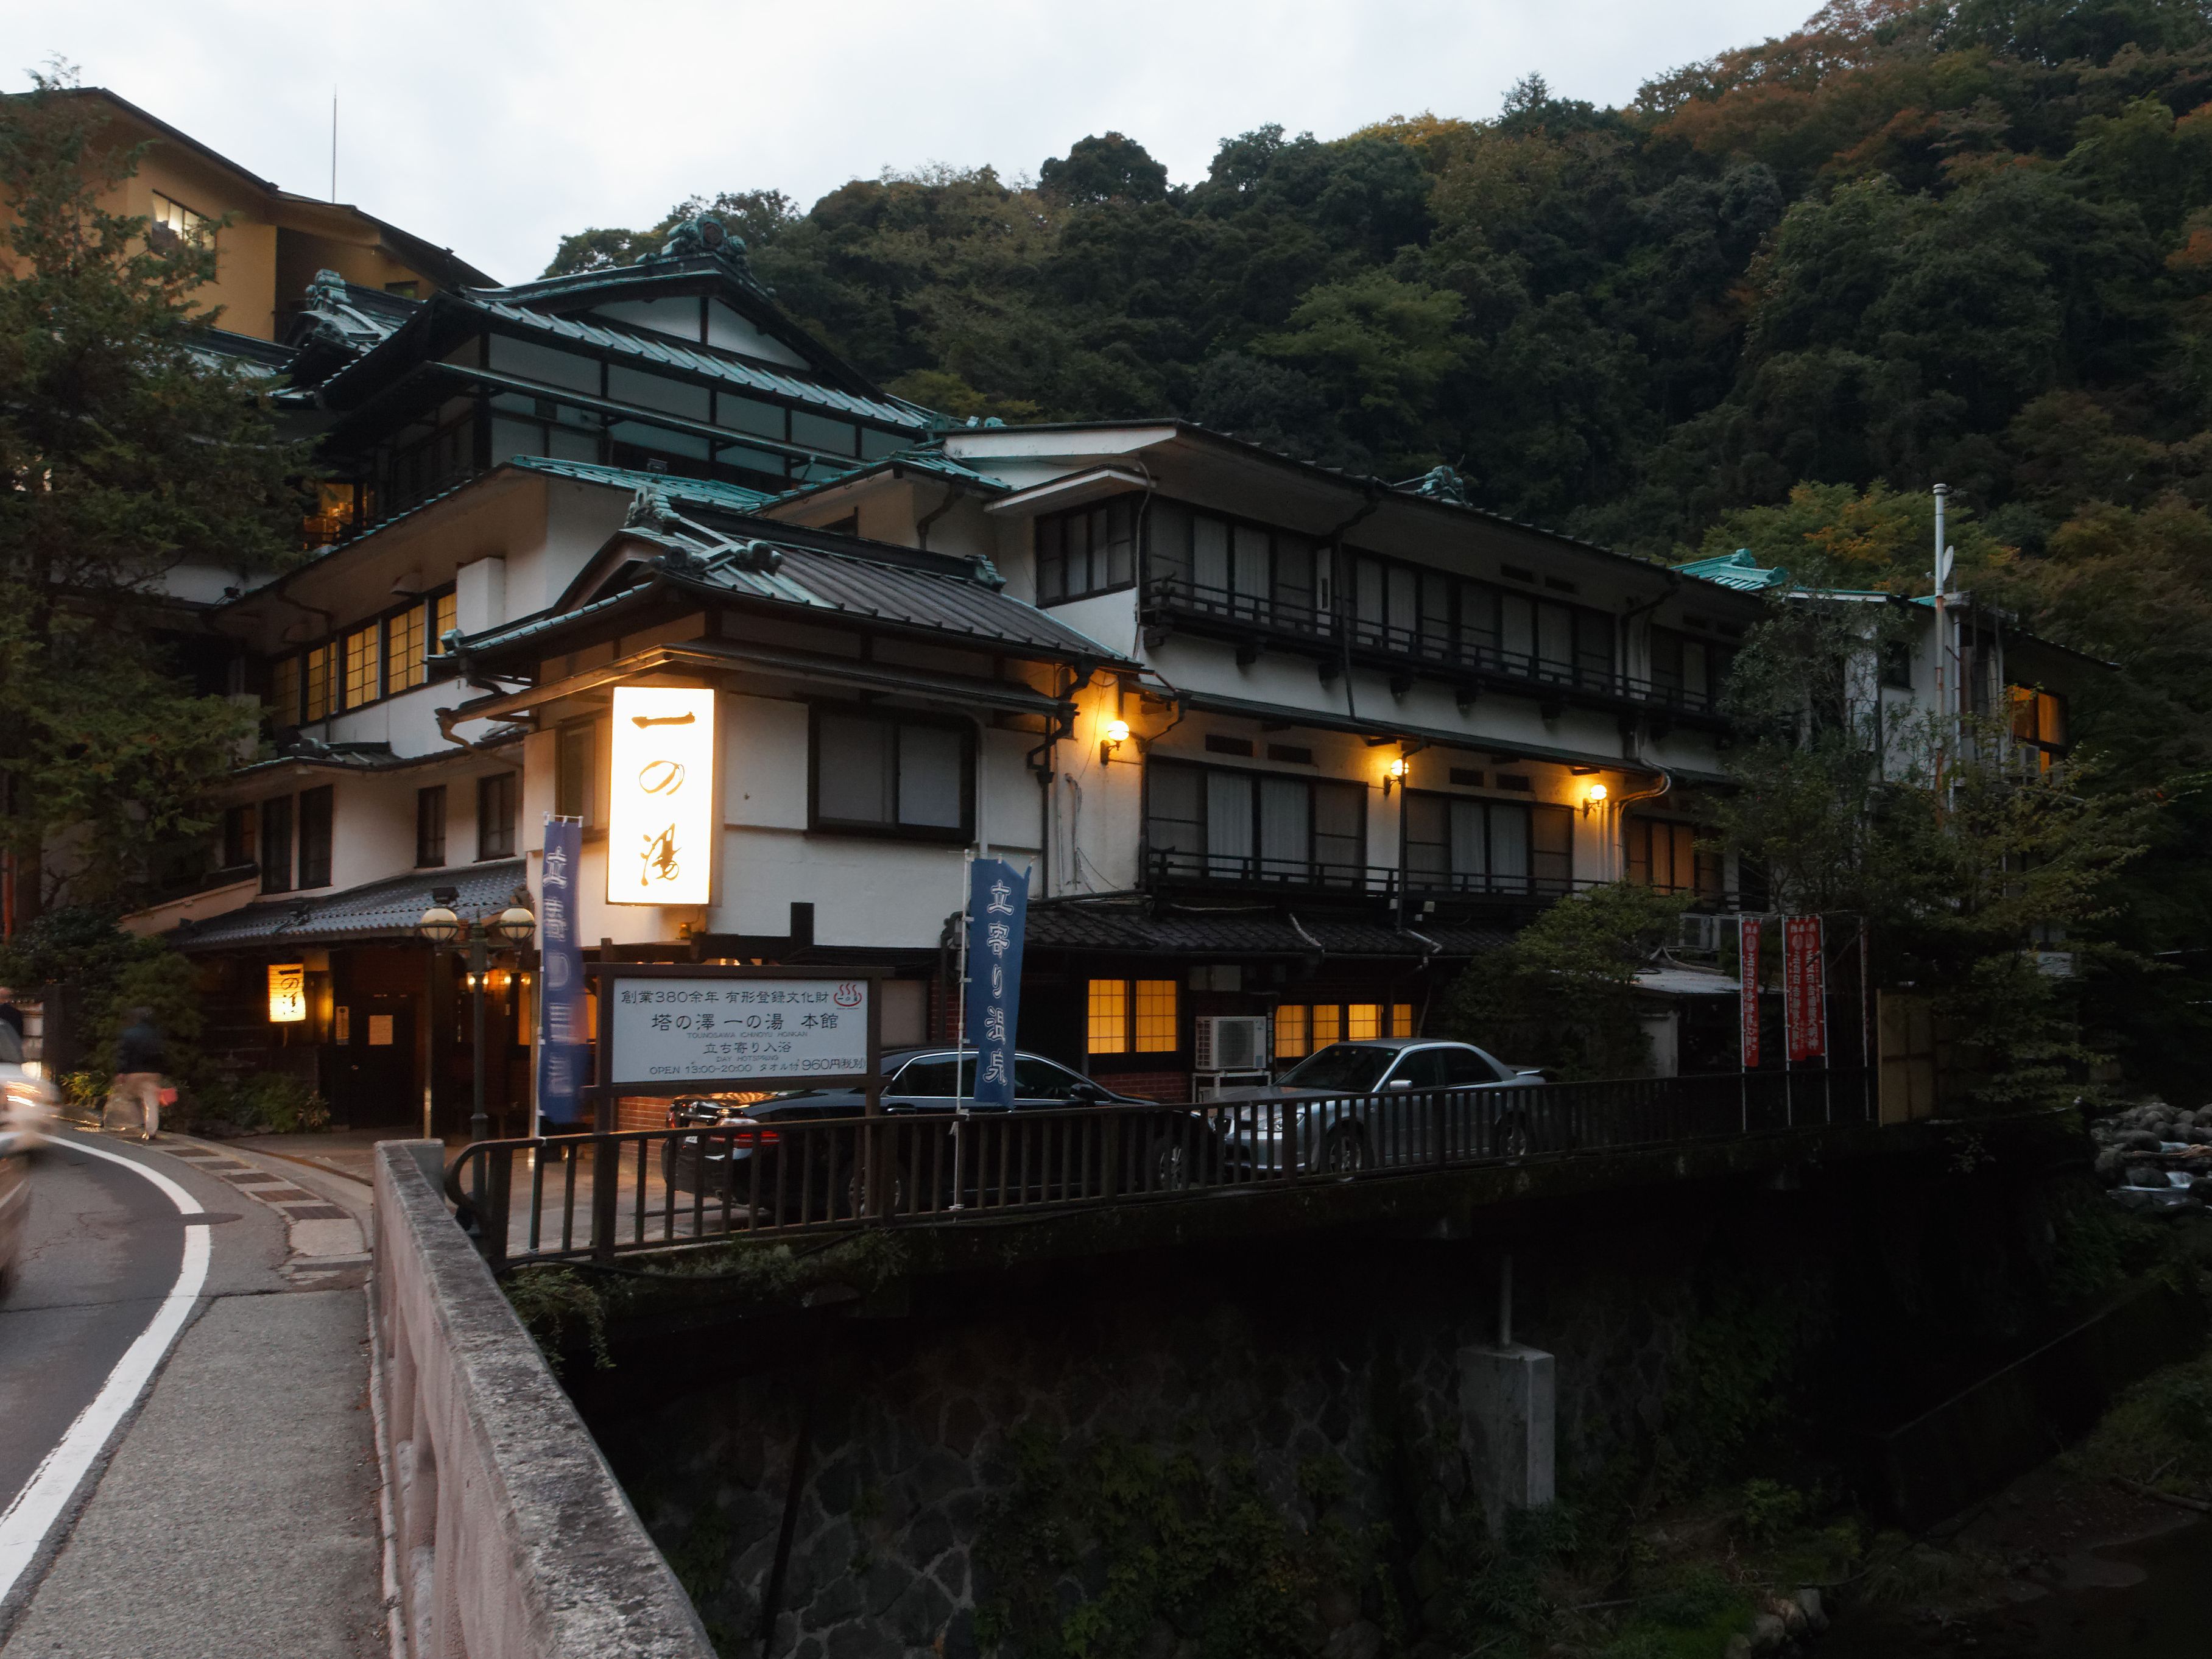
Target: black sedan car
[(766, 1155)]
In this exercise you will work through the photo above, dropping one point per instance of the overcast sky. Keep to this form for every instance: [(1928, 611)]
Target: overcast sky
[(494, 128)]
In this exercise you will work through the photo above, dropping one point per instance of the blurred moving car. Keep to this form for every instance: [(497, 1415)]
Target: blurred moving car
[(916, 1083), (28, 1104), (1329, 1109), (15, 1203)]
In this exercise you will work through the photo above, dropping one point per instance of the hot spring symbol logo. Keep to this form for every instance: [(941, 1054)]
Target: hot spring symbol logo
[(847, 995)]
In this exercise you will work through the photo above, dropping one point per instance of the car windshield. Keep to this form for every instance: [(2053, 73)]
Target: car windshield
[(1345, 1067)]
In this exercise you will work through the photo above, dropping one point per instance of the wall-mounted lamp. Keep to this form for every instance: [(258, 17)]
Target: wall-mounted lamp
[(1393, 773), (1115, 734), (1594, 797)]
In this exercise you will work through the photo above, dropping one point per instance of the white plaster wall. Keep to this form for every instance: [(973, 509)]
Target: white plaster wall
[(408, 722), (372, 826)]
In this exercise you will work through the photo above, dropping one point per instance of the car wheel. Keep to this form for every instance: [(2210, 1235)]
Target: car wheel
[(1171, 1168), (854, 1194), (1512, 1139), (1344, 1152)]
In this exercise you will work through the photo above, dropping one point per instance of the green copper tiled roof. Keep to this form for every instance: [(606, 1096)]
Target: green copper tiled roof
[(706, 492), (918, 459), (1738, 570), (674, 353)]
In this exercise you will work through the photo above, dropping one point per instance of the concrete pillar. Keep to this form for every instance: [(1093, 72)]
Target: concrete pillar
[(1508, 1403)]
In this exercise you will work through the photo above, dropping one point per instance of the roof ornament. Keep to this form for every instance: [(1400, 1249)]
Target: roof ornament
[(1441, 483), (703, 233), (649, 510), (758, 557), (327, 292)]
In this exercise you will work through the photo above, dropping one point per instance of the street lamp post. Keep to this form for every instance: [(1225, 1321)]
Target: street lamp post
[(514, 927)]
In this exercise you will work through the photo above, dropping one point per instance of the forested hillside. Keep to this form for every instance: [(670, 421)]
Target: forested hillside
[(1767, 305), (1962, 241)]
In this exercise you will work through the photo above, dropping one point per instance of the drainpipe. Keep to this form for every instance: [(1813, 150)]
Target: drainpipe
[(1334, 541), (922, 526), (1620, 808), (1634, 612)]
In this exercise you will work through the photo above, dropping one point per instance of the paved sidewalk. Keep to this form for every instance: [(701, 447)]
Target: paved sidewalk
[(236, 1517)]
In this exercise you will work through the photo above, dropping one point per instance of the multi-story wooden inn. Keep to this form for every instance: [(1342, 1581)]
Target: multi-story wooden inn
[(1274, 739)]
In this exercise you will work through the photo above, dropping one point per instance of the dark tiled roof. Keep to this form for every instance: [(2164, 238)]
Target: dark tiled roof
[(824, 572), (381, 909), (1131, 926)]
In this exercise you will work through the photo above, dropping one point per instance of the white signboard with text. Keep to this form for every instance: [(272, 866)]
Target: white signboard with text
[(661, 829), (668, 1029)]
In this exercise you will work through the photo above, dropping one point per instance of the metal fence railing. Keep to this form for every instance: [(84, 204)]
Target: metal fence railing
[(553, 1197)]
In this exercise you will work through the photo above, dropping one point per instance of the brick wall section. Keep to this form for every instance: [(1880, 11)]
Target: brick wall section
[(1173, 1087), (640, 1112)]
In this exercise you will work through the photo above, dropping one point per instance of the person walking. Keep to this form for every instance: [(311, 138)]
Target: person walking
[(139, 1057)]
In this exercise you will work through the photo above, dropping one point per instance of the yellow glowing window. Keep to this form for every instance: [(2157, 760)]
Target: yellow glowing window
[(1109, 1017), (285, 690), (1156, 1016), (1327, 1024), (1366, 1021), (1290, 1033), (318, 683), (403, 649), (172, 216), (362, 682), (445, 613), (1401, 1019)]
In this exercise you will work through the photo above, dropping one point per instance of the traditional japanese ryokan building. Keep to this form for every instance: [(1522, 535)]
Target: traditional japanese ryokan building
[(1277, 744)]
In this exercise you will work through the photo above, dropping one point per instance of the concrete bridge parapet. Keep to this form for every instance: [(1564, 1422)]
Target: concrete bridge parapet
[(512, 1538)]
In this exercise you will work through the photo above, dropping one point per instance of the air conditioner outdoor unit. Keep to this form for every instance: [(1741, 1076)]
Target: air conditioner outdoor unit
[(1231, 1042), (1703, 933)]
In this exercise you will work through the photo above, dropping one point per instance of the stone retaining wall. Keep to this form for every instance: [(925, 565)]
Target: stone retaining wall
[(1320, 1378)]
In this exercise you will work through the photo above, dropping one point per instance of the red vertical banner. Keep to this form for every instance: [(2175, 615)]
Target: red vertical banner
[(1804, 988), (1747, 995)]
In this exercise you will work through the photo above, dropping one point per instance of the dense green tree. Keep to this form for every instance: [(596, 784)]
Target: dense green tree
[(128, 450)]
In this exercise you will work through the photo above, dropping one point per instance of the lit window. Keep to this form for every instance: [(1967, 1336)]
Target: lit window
[(318, 683), (444, 615), (1366, 1021), (173, 218), (362, 663), (1401, 1019), (403, 649), (285, 690), (1327, 1024), (1290, 1033), (1156, 1016), (1110, 1015)]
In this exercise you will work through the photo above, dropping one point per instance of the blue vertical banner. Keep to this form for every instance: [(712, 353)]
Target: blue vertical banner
[(998, 912), (561, 1038)]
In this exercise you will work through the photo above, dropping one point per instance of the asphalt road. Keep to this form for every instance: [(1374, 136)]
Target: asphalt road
[(100, 1249)]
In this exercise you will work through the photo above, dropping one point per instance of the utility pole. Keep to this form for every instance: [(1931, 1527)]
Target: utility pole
[(1942, 646)]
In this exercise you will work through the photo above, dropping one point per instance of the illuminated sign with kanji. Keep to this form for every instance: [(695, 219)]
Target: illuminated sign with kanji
[(668, 1029), (661, 829), (287, 993)]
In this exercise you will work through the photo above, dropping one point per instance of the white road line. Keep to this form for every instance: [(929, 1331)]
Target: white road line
[(31, 1516)]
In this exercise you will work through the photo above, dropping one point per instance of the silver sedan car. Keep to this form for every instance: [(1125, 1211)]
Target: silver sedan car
[(1380, 1101)]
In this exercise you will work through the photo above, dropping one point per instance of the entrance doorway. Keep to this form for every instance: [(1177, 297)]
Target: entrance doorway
[(372, 1073)]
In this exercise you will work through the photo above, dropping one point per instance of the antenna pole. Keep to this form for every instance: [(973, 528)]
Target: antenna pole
[(334, 143)]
